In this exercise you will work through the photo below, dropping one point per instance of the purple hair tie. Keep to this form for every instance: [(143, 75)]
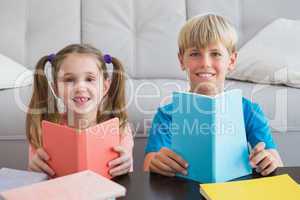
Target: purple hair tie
[(51, 57), (107, 58)]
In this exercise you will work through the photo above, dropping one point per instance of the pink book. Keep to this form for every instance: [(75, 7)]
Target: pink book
[(78, 186), (72, 150)]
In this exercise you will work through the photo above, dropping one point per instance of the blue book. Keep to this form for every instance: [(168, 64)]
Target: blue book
[(209, 133)]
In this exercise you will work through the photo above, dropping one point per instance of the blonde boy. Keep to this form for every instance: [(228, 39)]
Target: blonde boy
[(207, 52)]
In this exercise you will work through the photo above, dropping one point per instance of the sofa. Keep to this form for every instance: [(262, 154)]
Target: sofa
[(143, 35)]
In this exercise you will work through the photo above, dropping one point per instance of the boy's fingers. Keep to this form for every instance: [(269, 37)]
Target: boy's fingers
[(175, 157), (42, 154), (162, 166), (259, 147), (153, 168), (172, 164), (265, 163), (269, 169), (258, 158)]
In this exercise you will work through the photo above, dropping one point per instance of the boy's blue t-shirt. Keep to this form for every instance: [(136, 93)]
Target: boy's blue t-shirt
[(256, 125)]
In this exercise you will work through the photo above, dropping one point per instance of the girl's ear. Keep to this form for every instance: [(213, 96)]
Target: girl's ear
[(180, 58), (232, 61), (55, 89), (106, 86)]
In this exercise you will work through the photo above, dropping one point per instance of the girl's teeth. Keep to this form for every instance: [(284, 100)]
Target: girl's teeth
[(80, 99)]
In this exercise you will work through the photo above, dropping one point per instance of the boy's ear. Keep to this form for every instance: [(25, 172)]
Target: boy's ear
[(180, 58), (232, 61)]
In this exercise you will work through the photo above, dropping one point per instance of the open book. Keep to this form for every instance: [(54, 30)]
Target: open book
[(209, 133), (79, 186), (72, 151), (275, 188)]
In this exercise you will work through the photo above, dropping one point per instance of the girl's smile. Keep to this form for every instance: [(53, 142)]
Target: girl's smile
[(81, 83)]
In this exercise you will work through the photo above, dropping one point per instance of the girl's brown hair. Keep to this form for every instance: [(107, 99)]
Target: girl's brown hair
[(42, 106)]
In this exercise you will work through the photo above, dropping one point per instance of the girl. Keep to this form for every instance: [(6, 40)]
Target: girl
[(84, 94)]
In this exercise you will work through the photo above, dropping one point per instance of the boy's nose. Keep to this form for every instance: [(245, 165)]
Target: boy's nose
[(206, 61)]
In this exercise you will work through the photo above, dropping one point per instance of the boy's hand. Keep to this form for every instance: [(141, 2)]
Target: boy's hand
[(38, 163), (166, 162), (122, 164), (265, 161)]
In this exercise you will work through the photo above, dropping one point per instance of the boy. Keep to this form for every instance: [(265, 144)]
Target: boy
[(207, 52)]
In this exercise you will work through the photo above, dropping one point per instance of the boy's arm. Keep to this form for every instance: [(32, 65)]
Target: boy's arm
[(264, 156), (257, 126), (147, 160), (276, 155), (159, 158), (265, 161)]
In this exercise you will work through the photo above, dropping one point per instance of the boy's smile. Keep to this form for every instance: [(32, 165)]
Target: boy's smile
[(207, 67)]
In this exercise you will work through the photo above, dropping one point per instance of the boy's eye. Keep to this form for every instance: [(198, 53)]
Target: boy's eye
[(193, 54), (216, 54)]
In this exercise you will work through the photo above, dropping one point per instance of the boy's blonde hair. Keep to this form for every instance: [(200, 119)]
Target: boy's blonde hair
[(200, 31)]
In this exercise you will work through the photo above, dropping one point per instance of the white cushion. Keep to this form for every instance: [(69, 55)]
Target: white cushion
[(142, 34), (272, 56), (13, 74)]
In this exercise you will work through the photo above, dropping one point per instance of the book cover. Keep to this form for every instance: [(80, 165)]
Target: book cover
[(73, 150), (79, 186), (13, 178), (275, 188), (209, 133)]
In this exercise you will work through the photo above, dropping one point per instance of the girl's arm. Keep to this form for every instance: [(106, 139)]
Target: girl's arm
[(31, 152), (37, 161), (127, 142)]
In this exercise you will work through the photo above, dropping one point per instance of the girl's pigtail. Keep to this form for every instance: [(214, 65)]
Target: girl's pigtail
[(115, 99), (38, 106)]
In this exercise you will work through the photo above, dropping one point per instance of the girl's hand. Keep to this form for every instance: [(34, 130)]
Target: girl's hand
[(122, 164), (165, 162), (264, 160), (38, 163)]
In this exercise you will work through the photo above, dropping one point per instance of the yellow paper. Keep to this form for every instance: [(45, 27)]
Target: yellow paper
[(276, 188)]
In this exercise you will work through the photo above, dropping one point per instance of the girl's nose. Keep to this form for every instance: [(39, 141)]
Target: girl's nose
[(80, 86)]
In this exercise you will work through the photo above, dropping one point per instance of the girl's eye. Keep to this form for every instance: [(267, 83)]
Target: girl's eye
[(68, 79), (90, 79)]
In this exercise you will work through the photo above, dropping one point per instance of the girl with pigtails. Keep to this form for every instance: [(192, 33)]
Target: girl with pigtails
[(74, 88)]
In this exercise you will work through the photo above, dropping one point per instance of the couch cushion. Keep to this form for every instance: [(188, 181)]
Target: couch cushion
[(51, 26), (13, 74), (143, 34), (272, 56), (13, 29), (13, 106), (144, 96), (279, 103)]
